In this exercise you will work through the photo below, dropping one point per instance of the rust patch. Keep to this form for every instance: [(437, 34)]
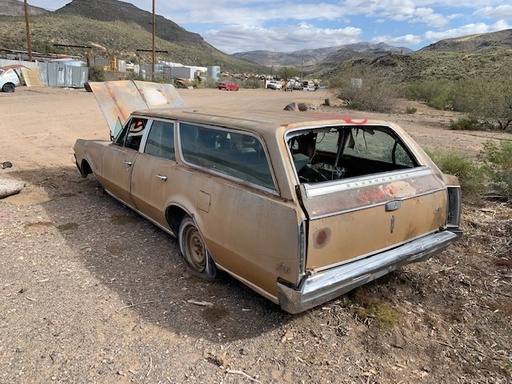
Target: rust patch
[(39, 224), (122, 219), (68, 226), (322, 237)]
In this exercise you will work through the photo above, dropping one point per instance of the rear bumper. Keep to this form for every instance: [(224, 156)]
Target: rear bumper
[(329, 284)]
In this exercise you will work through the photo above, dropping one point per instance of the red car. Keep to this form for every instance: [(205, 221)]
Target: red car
[(228, 86)]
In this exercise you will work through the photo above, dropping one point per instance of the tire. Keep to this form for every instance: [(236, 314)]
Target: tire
[(8, 88), (194, 250)]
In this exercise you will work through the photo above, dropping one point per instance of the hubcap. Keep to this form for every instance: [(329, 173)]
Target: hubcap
[(196, 250)]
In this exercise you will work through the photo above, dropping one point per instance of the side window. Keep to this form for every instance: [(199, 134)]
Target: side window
[(235, 154), (160, 141), (131, 135), (373, 144)]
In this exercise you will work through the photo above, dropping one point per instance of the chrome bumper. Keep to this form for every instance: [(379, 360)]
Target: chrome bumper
[(326, 285)]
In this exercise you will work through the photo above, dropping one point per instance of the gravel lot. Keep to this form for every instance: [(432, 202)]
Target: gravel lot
[(92, 293)]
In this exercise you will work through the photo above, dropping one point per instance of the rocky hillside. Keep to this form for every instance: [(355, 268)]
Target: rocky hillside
[(472, 43), (114, 10), (310, 58), (17, 8), (112, 28)]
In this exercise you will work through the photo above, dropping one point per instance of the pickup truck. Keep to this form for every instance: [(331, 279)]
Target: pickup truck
[(9, 78), (274, 84)]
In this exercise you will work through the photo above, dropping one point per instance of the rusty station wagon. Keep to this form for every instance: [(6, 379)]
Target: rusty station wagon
[(300, 206)]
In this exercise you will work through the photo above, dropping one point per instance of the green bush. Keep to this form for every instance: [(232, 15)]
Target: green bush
[(411, 110), (252, 83), (96, 74), (371, 96), (472, 176), (497, 159), (488, 98), (435, 93), (365, 91), (469, 123)]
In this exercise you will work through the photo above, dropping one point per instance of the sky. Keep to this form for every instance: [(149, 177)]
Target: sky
[(287, 26)]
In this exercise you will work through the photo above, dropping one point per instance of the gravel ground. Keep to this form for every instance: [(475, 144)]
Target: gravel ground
[(92, 293)]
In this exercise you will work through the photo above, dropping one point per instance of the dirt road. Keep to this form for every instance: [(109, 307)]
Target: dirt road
[(92, 293)]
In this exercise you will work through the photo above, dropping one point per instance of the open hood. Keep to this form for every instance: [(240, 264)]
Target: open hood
[(118, 99)]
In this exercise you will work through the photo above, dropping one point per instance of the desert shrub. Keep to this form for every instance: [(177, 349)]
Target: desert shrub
[(497, 159), (411, 110), (204, 83), (251, 83), (365, 91), (472, 176), (372, 309), (435, 93), (489, 98), (469, 123), (96, 74)]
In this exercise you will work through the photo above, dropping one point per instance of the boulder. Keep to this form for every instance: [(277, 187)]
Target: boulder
[(10, 187), (298, 107)]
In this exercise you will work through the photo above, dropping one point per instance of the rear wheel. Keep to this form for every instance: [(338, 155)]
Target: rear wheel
[(8, 88), (194, 250)]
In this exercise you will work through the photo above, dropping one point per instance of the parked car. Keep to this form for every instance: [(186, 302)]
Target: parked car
[(301, 207), (228, 86), (10, 78), (273, 84)]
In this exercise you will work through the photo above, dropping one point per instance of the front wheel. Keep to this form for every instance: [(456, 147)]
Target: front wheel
[(8, 88), (194, 250)]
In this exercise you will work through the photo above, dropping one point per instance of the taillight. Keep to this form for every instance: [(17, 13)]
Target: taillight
[(454, 206)]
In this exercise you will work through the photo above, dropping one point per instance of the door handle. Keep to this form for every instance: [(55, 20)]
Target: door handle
[(162, 177), (127, 162)]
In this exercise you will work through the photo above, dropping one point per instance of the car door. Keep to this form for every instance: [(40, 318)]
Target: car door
[(118, 161), (153, 173), (229, 189)]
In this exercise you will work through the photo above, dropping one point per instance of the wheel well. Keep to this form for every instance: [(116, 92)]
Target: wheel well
[(85, 168), (174, 215)]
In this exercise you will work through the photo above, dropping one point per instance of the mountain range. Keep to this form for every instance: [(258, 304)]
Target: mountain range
[(117, 28)]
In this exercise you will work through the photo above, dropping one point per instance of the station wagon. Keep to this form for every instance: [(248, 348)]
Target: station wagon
[(300, 206)]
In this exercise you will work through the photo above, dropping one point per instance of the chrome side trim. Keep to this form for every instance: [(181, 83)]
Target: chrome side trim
[(328, 187), (383, 203), (320, 287)]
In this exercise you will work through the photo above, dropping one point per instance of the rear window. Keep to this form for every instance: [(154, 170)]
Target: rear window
[(238, 155), (333, 153)]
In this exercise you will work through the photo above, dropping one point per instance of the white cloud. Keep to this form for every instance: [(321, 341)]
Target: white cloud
[(468, 29), (238, 38), (500, 12), (286, 25)]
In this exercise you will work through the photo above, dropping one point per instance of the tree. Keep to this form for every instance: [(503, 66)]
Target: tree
[(488, 98), (287, 73)]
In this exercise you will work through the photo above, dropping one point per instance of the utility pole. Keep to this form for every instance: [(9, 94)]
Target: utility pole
[(149, 50), (29, 45), (154, 52)]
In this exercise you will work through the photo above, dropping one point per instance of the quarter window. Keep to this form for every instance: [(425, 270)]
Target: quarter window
[(234, 154)]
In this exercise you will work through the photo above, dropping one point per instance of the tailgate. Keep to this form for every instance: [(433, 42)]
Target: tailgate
[(364, 216)]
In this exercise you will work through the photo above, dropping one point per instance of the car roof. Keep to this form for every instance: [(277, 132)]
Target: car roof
[(254, 120)]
